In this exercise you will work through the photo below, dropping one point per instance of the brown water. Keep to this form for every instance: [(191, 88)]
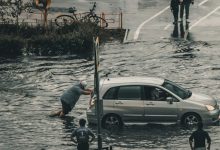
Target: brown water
[(30, 88)]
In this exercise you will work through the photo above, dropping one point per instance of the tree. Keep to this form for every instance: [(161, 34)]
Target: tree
[(10, 10)]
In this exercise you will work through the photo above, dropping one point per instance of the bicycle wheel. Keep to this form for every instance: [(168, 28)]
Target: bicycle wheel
[(98, 21), (63, 20)]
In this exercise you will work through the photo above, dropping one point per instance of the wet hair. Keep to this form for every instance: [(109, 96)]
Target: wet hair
[(200, 125), (82, 122)]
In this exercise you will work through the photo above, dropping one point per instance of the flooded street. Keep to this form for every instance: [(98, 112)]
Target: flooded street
[(30, 87)]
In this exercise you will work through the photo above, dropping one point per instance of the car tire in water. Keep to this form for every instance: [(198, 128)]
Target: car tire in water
[(112, 121), (191, 119)]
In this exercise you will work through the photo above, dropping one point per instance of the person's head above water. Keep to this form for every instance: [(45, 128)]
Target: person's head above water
[(82, 122), (83, 84)]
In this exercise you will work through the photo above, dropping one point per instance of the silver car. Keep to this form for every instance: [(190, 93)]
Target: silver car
[(150, 100)]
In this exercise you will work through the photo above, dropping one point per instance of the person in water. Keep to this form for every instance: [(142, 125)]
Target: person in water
[(199, 138), (82, 135), (70, 97)]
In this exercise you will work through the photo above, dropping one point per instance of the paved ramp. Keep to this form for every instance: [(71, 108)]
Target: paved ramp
[(155, 22)]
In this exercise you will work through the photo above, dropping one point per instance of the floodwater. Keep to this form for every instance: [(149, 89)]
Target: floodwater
[(30, 87)]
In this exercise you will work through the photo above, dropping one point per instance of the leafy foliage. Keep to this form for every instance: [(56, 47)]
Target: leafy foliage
[(11, 46), (10, 10), (37, 40)]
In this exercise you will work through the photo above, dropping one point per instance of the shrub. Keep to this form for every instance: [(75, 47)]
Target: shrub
[(11, 46), (73, 39)]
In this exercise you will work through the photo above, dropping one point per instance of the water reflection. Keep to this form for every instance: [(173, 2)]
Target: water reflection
[(68, 122), (31, 86), (183, 29), (157, 136)]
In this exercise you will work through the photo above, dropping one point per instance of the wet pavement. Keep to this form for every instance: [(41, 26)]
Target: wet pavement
[(30, 87)]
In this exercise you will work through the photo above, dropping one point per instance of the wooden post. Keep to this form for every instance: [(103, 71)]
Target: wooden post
[(45, 17)]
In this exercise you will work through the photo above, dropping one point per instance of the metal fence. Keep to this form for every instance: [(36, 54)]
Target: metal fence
[(115, 21)]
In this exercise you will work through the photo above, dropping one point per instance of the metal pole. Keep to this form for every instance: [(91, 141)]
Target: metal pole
[(121, 20), (97, 94)]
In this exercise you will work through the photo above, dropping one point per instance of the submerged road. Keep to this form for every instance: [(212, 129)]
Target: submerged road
[(30, 87), (204, 17)]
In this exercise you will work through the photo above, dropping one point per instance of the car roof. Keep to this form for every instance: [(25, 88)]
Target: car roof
[(133, 80)]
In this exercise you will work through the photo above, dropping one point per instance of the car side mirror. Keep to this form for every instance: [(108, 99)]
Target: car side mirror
[(169, 100)]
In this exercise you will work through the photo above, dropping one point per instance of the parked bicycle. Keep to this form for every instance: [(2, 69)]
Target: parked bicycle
[(90, 16)]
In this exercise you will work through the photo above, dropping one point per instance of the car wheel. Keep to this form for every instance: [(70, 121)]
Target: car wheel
[(191, 119), (111, 122)]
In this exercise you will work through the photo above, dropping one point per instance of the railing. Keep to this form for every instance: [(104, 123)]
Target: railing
[(115, 21)]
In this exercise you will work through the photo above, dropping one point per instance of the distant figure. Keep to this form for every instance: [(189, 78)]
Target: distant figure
[(70, 97), (82, 135), (185, 4), (43, 5), (199, 138), (174, 6)]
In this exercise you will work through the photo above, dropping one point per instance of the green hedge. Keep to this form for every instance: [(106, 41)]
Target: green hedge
[(36, 40), (16, 40), (11, 46), (58, 45)]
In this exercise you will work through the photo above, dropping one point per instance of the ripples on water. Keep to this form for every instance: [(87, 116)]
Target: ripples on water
[(30, 88)]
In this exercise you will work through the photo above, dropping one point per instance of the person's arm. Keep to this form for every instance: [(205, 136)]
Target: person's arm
[(90, 102), (73, 135), (90, 90), (92, 135), (87, 91), (91, 97), (84, 92)]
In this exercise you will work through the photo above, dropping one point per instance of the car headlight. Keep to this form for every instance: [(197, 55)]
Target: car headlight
[(210, 107)]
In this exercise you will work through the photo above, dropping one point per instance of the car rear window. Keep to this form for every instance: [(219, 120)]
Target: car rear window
[(110, 94), (129, 92)]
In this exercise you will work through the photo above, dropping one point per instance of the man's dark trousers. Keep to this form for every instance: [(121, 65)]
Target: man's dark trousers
[(83, 146), (185, 4), (175, 9)]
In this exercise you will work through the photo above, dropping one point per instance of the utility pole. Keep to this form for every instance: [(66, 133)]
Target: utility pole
[(96, 77)]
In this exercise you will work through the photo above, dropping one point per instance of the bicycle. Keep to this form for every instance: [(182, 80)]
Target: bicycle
[(90, 16)]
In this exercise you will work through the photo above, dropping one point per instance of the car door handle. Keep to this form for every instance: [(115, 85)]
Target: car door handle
[(149, 104), (118, 102)]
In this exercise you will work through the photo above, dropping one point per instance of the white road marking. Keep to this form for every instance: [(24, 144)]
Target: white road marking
[(137, 32), (203, 18), (167, 26), (200, 4)]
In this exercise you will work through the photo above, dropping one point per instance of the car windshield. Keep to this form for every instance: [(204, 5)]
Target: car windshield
[(176, 89)]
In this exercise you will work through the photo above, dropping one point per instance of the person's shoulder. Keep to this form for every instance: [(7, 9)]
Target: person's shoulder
[(201, 131), (76, 129), (205, 132), (76, 87)]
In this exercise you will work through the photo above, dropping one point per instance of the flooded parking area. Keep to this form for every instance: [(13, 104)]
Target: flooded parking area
[(30, 87)]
